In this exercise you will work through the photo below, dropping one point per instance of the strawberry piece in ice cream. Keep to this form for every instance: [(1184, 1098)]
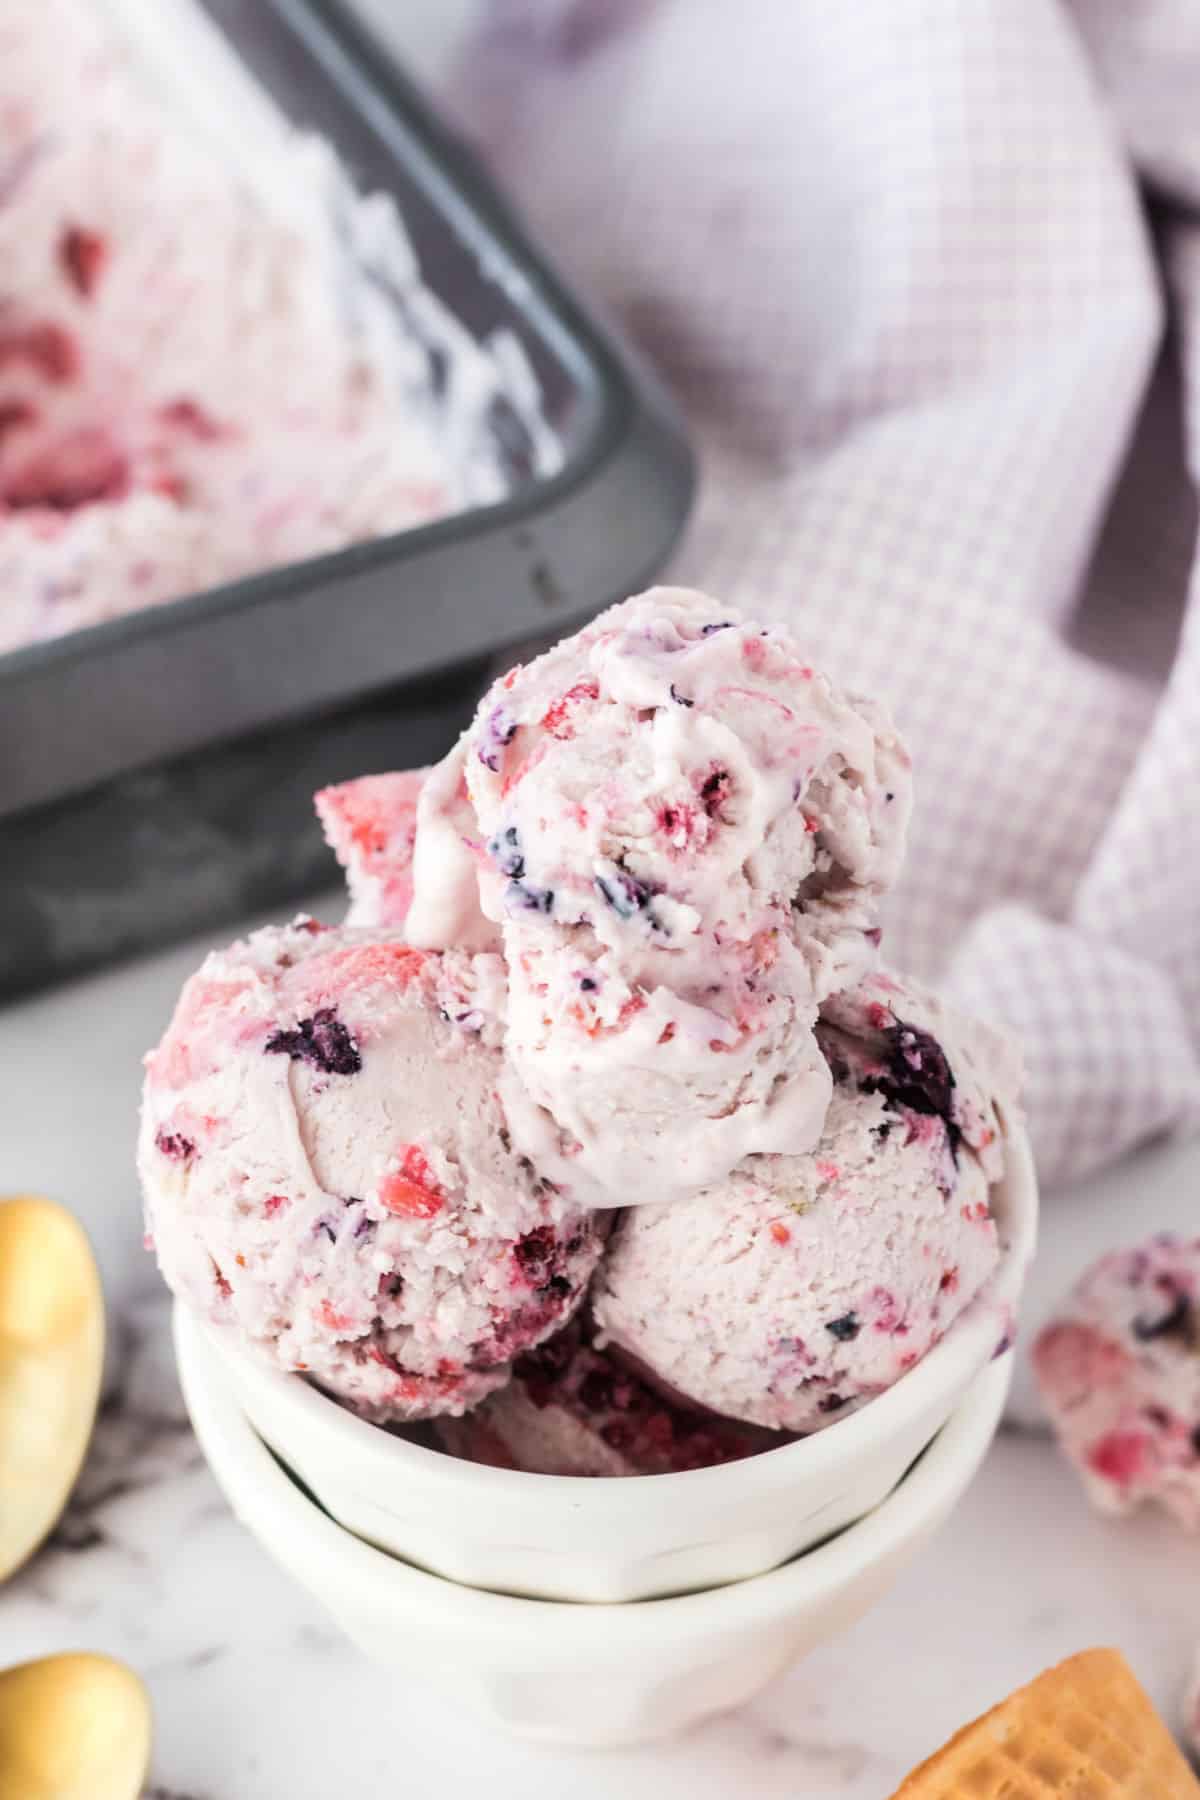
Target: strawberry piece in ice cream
[(370, 825)]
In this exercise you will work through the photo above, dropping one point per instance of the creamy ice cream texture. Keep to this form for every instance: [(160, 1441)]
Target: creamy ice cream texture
[(679, 834), (370, 825), (616, 949), (1119, 1373), (327, 1170), (184, 403), (801, 1286)]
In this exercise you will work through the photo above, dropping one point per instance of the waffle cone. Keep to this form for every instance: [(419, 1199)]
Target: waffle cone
[(1082, 1731)]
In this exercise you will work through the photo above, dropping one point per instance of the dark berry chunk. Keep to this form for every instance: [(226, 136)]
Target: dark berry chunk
[(588, 984), (845, 1329), (175, 1145), (540, 1370), (617, 1434), (548, 1361), (557, 1288), (520, 896), (721, 625), (596, 1391), (83, 255), (536, 1249), (1196, 1440), (832, 1403), (1179, 1321), (918, 1076), (505, 851), (498, 732), (680, 699), (659, 1430), (624, 893), (715, 790), (321, 1041), (326, 1227)]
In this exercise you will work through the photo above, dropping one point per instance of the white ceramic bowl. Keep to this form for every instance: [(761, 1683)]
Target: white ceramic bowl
[(595, 1675), (562, 1538)]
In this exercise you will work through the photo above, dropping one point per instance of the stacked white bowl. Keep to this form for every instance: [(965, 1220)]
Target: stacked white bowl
[(701, 1586)]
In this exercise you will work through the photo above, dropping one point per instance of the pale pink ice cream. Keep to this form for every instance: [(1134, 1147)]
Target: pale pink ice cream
[(327, 1171), (1119, 1372), (571, 1409), (370, 825), (801, 1286), (197, 380), (680, 835)]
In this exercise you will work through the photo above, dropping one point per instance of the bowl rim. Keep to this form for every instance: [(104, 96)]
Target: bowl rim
[(272, 1505), (384, 1458)]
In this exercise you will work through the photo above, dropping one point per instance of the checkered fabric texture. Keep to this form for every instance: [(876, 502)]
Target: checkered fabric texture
[(925, 275)]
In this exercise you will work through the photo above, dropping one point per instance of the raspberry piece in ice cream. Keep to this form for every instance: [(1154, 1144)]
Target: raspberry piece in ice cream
[(83, 255), (327, 1170), (571, 1409), (801, 1286), (370, 825), (1119, 1373), (681, 834)]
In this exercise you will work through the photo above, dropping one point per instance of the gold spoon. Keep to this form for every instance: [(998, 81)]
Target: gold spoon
[(73, 1728), (51, 1354)]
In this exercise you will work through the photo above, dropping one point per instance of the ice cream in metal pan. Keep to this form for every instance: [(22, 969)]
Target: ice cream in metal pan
[(180, 407), (679, 832)]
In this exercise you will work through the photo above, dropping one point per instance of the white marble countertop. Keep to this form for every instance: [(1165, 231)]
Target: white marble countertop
[(257, 1695)]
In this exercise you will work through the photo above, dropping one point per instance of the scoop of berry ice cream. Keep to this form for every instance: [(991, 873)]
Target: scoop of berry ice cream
[(370, 825), (327, 1170), (1119, 1373), (681, 834), (572, 1409), (801, 1286)]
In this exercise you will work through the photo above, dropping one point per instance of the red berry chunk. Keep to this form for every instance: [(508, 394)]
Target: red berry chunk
[(411, 1190), (556, 719), (83, 255)]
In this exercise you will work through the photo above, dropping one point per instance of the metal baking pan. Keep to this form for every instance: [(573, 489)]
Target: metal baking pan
[(155, 771)]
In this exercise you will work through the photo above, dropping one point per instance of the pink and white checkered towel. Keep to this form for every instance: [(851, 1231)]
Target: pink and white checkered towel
[(942, 359)]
